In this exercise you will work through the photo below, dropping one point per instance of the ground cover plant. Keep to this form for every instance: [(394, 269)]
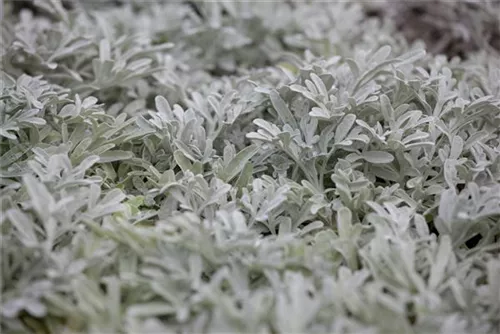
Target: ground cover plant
[(239, 167)]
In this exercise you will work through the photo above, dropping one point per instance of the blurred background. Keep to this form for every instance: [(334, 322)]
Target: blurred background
[(453, 28)]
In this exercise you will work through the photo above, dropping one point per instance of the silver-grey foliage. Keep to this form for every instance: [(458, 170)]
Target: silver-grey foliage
[(271, 167)]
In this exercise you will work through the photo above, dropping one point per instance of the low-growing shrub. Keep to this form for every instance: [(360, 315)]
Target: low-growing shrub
[(268, 167)]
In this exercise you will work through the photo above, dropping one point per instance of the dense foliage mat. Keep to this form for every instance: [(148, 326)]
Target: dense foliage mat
[(268, 167)]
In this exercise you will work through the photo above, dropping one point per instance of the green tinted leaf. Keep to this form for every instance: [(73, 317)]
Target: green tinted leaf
[(377, 157), (115, 155), (237, 164), (280, 106)]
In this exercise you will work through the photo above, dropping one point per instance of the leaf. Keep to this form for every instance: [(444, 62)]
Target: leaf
[(446, 208), (182, 161), (269, 205), (24, 227), (285, 227), (387, 110), (344, 222), (439, 265), (236, 165), (104, 50), (411, 57), (115, 155), (353, 66), (456, 147), (380, 55), (450, 173), (163, 107), (89, 102), (421, 226), (113, 197), (40, 196), (319, 84), (284, 113), (320, 113), (344, 127), (151, 309), (315, 225), (377, 157), (415, 136), (245, 177)]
